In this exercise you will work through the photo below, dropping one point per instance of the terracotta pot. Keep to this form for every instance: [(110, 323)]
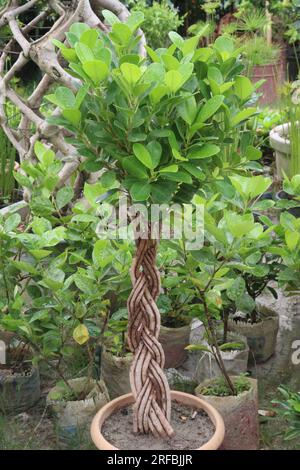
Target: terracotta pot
[(174, 341), (274, 76), (184, 398), (261, 336), (115, 373), (240, 414), (235, 361), (77, 414)]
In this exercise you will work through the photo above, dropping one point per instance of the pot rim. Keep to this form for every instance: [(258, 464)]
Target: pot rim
[(185, 398), (279, 138)]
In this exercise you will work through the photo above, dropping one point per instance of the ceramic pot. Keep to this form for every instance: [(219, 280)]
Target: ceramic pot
[(184, 398)]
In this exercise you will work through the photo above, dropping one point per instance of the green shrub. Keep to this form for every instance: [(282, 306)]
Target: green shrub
[(160, 18)]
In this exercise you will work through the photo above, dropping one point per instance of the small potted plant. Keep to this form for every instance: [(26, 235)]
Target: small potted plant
[(239, 410), (128, 123)]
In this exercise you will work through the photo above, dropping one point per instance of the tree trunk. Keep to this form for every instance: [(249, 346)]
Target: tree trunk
[(149, 385)]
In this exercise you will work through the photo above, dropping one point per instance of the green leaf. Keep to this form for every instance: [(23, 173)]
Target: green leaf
[(180, 176), (44, 155), (85, 284), (98, 250), (92, 192), (12, 222), (140, 191), (89, 38), (252, 153), (134, 167), (72, 115), (206, 151), (198, 347), (173, 80), (53, 237), (108, 179), (232, 346), (242, 116), (131, 72), (23, 266), (40, 254), (176, 39), (210, 108), (110, 17), (155, 151), (162, 192), (121, 34), (188, 110), (292, 239), (143, 155), (40, 225), (169, 169), (245, 303), (65, 97), (224, 44), (84, 53), (22, 180), (97, 70), (243, 87), (64, 196), (236, 289)]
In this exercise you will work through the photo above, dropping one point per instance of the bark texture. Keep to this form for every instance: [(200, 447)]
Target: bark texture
[(148, 382)]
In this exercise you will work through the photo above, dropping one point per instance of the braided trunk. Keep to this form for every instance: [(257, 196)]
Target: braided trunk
[(149, 385)]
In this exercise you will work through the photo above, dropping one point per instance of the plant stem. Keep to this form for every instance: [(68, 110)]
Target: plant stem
[(214, 342)]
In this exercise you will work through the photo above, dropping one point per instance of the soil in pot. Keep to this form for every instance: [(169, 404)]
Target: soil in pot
[(115, 373), (192, 428), (261, 336), (240, 412), (235, 360)]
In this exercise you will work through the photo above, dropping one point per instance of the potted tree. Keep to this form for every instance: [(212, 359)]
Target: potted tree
[(140, 121), (53, 296), (257, 323), (19, 377), (233, 236)]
